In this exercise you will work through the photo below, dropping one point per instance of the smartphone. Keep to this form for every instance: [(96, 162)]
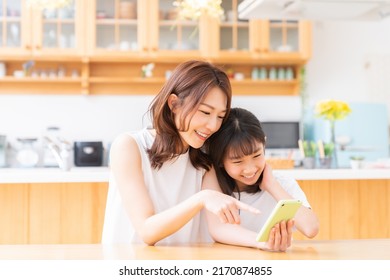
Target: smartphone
[(284, 210)]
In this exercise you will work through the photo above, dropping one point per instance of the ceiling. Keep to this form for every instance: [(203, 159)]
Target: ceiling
[(315, 9)]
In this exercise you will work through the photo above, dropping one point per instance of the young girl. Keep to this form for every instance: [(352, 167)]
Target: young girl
[(240, 170), (155, 188)]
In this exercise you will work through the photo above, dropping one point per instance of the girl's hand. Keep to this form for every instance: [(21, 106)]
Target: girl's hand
[(224, 206), (268, 178), (280, 237)]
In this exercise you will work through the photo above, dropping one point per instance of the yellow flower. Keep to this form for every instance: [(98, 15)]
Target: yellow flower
[(332, 110)]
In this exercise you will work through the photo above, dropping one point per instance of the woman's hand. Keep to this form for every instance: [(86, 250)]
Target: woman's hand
[(225, 207), (280, 237)]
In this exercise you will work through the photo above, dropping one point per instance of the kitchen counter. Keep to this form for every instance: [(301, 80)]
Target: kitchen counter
[(54, 175), (101, 174), (336, 174)]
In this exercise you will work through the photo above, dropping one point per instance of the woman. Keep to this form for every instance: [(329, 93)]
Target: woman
[(240, 170), (155, 188)]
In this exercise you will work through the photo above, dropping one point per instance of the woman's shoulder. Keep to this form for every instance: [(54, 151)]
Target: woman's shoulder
[(124, 142), (126, 138)]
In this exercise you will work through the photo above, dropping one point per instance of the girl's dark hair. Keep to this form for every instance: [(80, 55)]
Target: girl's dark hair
[(238, 136), (190, 81)]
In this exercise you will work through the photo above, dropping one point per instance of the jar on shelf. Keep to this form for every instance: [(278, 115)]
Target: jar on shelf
[(27, 155)]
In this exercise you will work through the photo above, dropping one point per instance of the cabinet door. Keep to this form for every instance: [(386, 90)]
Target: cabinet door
[(15, 32), (318, 195), (66, 213), (234, 34), (14, 206), (286, 38), (59, 31), (170, 35), (117, 27)]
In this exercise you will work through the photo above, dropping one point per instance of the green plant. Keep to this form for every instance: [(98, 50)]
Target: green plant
[(309, 148), (356, 158), (328, 149)]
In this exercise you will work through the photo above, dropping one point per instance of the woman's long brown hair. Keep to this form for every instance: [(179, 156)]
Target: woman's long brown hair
[(190, 81)]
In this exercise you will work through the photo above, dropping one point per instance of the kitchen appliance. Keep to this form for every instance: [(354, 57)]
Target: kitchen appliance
[(281, 135), (88, 153), (282, 143)]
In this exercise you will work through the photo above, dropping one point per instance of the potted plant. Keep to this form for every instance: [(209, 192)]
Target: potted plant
[(326, 155), (309, 152), (356, 162)]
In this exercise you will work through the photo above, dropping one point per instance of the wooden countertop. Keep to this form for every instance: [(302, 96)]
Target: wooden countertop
[(101, 174), (363, 249), (54, 175)]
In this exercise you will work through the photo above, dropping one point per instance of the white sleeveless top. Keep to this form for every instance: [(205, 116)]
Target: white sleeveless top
[(174, 182), (266, 203)]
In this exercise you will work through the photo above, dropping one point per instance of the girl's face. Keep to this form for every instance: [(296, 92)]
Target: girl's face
[(206, 120), (246, 170)]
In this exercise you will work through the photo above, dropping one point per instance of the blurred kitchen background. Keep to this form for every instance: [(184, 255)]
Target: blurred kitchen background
[(350, 61)]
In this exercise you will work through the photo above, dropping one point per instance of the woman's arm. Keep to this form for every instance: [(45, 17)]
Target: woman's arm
[(125, 162), (233, 234), (305, 219)]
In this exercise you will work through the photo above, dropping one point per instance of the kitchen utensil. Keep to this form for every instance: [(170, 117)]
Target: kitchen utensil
[(88, 153)]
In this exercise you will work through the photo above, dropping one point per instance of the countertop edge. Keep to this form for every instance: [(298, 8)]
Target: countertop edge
[(101, 174)]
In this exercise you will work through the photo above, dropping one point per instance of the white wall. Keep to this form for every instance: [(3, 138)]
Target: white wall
[(345, 56), (350, 61), (97, 118)]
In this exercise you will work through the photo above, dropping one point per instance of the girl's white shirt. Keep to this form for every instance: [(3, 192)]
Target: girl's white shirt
[(174, 182), (266, 203)]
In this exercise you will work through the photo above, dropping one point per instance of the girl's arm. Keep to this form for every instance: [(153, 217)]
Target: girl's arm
[(305, 219), (233, 234), (125, 162)]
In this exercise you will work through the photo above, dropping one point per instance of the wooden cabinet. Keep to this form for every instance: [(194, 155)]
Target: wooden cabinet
[(117, 28), (52, 213), (107, 43), (349, 209), (51, 41), (33, 32)]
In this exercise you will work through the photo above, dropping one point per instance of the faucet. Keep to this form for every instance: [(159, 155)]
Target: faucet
[(61, 151)]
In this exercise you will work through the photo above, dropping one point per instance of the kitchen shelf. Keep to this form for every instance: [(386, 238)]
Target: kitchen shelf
[(39, 80), (113, 75), (265, 87), (111, 21), (175, 23), (126, 80), (109, 51), (29, 86), (127, 85)]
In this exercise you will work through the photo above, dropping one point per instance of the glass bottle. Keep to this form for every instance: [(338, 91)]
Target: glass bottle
[(27, 155), (51, 135)]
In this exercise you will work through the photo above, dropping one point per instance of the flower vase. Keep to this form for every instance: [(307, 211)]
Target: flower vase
[(333, 139)]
